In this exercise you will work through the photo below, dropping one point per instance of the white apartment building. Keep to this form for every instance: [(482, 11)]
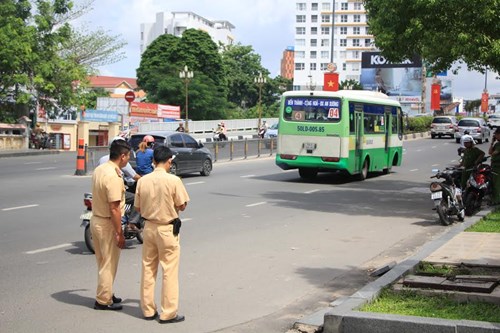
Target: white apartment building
[(175, 23), (329, 31)]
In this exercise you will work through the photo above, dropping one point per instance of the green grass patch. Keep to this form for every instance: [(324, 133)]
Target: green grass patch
[(410, 303), (425, 268), (489, 223)]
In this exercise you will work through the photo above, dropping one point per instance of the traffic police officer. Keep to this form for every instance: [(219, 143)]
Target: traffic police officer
[(108, 191), (159, 197)]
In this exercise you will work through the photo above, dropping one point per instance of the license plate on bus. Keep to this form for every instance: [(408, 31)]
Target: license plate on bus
[(436, 195), (309, 146)]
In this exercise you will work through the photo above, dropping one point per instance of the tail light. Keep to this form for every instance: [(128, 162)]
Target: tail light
[(478, 129), (330, 159), (288, 156), (87, 200)]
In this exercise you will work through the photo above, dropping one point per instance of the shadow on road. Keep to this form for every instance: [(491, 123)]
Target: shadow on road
[(71, 297)]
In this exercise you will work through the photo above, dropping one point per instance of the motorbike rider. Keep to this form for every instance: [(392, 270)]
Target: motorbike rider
[(263, 129), (144, 155), (130, 177), (462, 146), (221, 131), (472, 157)]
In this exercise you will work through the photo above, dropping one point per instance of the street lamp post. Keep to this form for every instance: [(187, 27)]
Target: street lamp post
[(186, 76), (260, 81)]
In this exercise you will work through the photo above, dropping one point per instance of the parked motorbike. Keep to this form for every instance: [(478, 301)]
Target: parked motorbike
[(447, 195), (479, 185), (128, 234)]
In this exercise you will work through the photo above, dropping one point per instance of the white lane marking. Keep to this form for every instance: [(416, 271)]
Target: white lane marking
[(453, 161), (435, 165), (247, 176), (19, 207), (49, 248), (186, 219), (311, 191), (419, 150), (195, 183), (28, 163), (256, 204), (412, 170), (48, 168), (434, 147)]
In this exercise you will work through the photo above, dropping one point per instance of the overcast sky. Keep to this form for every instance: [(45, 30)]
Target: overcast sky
[(266, 25)]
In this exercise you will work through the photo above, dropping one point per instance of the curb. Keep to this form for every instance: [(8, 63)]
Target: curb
[(17, 153), (342, 317)]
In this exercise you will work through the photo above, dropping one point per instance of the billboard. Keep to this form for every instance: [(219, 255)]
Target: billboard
[(401, 81)]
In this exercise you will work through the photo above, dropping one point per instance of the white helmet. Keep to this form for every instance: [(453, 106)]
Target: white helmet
[(116, 138), (468, 139)]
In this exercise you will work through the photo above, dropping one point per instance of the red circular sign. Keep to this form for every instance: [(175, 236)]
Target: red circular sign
[(130, 96)]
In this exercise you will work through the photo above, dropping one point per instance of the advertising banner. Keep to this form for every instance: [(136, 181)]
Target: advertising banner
[(149, 110), (169, 111), (402, 81), (484, 102), (104, 116), (331, 82), (435, 97)]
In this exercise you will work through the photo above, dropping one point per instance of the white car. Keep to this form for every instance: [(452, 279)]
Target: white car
[(271, 135), (494, 121), (476, 127)]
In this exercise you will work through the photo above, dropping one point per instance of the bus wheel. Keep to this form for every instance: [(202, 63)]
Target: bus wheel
[(364, 171), (308, 173), (389, 167)]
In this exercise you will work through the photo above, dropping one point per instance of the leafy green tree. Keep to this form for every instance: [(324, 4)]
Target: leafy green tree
[(350, 84), (165, 57), (440, 31)]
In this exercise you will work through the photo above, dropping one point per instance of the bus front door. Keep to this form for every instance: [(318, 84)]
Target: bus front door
[(358, 116)]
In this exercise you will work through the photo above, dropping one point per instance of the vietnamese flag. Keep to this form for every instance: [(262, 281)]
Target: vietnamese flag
[(331, 82), (435, 96)]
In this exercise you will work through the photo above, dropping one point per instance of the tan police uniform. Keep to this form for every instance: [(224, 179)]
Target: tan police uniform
[(107, 186), (157, 195)]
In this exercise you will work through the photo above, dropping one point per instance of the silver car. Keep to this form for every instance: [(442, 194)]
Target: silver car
[(494, 121), (443, 125), (477, 129)]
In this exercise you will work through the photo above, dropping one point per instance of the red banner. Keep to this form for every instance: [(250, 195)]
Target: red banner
[(484, 102), (331, 82), (435, 97)]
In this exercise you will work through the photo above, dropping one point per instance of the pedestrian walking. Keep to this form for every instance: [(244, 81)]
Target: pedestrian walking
[(494, 151), (180, 128), (108, 191), (159, 198)]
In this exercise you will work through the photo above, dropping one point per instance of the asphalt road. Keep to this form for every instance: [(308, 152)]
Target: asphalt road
[(260, 246)]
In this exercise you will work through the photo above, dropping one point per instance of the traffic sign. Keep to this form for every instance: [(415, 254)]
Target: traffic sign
[(130, 96)]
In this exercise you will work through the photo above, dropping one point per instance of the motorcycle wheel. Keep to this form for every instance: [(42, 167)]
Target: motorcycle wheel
[(442, 210), (140, 225), (88, 239), (469, 203)]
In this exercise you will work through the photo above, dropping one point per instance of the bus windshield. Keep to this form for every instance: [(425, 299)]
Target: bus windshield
[(312, 109)]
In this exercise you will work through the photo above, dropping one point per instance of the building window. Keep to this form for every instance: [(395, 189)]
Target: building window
[(300, 31), (355, 42), (343, 18), (299, 66), (325, 18), (313, 55), (357, 6), (312, 66), (356, 31), (314, 42), (325, 54), (355, 67), (314, 6), (368, 42), (314, 30), (323, 66), (314, 18), (325, 30), (300, 19), (343, 30), (367, 31), (300, 54), (344, 66), (343, 42), (301, 6), (357, 18), (344, 6), (300, 42), (343, 54), (325, 6), (355, 54), (325, 42)]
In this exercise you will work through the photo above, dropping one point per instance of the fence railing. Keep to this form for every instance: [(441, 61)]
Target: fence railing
[(208, 126), (221, 151)]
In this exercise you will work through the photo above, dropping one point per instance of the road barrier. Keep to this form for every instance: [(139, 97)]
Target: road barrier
[(80, 160)]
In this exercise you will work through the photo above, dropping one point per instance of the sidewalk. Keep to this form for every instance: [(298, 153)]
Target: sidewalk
[(27, 152), (454, 247)]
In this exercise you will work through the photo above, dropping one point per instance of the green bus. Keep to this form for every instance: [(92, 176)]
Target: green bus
[(355, 131)]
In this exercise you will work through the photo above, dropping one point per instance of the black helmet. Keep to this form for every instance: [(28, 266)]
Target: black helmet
[(466, 132)]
